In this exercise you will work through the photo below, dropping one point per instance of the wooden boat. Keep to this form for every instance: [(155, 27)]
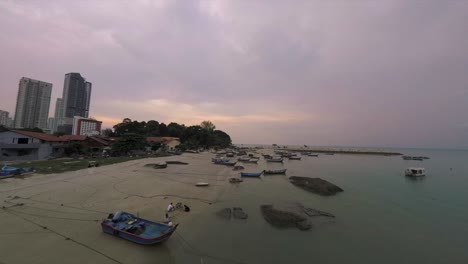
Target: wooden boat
[(407, 157), (417, 158), (224, 162), (251, 174), (415, 172), (135, 229), (201, 184), (160, 165), (283, 171), (243, 159), (235, 180), (312, 155)]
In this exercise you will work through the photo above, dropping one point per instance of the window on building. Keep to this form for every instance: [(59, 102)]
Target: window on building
[(23, 140)]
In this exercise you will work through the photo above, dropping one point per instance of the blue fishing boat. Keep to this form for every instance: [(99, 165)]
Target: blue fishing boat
[(135, 229), (251, 174), (13, 171)]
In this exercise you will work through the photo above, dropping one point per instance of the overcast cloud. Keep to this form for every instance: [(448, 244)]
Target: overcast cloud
[(352, 73)]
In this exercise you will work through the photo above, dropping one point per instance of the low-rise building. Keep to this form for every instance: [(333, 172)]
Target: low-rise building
[(169, 142), (26, 145), (86, 126)]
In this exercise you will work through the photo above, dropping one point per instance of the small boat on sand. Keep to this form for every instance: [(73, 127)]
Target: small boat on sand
[(283, 171), (238, 167), (201, 184), (135, 229), (415, 172), (275, 159), (251, 174), (295, 158)]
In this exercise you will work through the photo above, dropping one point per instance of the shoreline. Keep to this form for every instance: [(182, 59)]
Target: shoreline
[(62, 211)]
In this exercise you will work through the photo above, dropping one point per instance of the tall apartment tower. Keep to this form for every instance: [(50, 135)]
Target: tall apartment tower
[(76, 100), (4, 118), (56, 121), (32, 103)]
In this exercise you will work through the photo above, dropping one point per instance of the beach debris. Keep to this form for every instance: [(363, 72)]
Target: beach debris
[(238, 213), (160, 165), (176, 162), (234, 212), (238, 167), (315, 185), (225, 213), (235, 180)]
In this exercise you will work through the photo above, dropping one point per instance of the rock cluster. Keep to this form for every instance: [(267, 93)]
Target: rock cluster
[(315, 185)]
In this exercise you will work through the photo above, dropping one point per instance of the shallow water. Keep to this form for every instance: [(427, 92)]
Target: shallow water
[(382, 216)]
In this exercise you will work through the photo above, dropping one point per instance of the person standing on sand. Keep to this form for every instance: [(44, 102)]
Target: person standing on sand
[(170, 207), (167, 219)]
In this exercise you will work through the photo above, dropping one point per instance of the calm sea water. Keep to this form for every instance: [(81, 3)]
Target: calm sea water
[(382, 216)]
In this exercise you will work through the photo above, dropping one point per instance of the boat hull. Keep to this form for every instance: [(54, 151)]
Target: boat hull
[(109, 229), (246, 174)]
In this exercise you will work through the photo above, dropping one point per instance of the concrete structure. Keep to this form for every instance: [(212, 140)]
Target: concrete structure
[(25, 145), (10, 122), (4, 118), (32, 103), (76, 100), (86, 126)]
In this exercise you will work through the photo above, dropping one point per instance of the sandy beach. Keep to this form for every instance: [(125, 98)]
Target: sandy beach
[(55, 218)]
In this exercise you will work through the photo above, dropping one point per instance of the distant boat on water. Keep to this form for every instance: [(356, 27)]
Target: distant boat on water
[(415, 172)]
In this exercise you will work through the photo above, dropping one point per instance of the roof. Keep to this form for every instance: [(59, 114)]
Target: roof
[(72, 138), (101, 141), (41, 136), (164, 140)]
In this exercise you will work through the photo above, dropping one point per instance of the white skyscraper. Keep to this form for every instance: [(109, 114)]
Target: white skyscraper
[(32, 103)]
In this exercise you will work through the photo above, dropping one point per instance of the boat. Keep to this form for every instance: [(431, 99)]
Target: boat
[(407, 157), (160, 165), (224, 162), (6, 174), (417, 158), (312, 155), (9, 170), (295, 158), (201, 184), (283, 171), (235, 180), (329, 153), (243, 159), (275, 159), (141, 231), (415, 172), (251, 174)]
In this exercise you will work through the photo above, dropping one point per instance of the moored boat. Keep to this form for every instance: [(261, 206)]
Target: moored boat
[(130, 227), (415, 172), (275, 159), (312, 155), (295, 158), (283, 171), (201, 184), (251, 174)]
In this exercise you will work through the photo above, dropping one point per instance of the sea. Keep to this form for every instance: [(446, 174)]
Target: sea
[(381, 217)]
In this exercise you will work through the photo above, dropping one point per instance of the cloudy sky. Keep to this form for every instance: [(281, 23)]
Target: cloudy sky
[(340, 72)]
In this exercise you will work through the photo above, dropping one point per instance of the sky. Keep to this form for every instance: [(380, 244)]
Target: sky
[(387, 73)]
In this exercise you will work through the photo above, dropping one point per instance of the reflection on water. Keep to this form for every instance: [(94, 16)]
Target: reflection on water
[(382, 215)]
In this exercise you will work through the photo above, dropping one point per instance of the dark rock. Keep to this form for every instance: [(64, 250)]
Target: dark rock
[(283, 218), (315, 185), (239, 213), (225, 213)]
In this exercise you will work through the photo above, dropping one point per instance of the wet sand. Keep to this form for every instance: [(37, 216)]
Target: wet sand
[(55, 218)]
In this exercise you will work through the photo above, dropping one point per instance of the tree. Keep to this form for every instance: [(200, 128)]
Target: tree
[(107, 132), (129, 142), (175, 130), (163, 130), (152, 128), (208, 126)]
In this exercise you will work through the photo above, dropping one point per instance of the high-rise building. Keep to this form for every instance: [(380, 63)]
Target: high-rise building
[(86, 126), (32, 103), (4, 118), (76, 100), (56, 121)]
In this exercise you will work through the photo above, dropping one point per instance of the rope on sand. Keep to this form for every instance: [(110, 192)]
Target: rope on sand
[(64, 236)]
